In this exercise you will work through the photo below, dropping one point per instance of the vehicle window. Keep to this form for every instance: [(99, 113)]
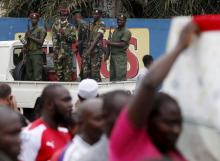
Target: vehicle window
[(17, 55)]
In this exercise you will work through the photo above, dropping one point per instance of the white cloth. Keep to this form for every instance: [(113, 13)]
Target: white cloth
[(76, 149), (195, 76), (88, 88), (140, 77)]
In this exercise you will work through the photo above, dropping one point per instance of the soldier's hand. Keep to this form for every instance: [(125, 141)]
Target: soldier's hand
[(55, 55), (62, 31), (106, 57)]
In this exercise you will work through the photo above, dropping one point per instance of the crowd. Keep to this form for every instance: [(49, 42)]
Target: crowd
[(114, 126), (88, 39)]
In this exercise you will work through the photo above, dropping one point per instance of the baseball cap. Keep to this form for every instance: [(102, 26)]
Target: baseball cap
[(88, 88)]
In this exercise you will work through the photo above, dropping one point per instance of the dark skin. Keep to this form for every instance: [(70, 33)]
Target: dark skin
[(57, 108), (141, 106), (118, 103), (167, 123), (90, 123), (34, 22), (10, 128), (96, 17), (121, 23)]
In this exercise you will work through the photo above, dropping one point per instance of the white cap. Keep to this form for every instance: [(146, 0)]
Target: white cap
[(88, 88)]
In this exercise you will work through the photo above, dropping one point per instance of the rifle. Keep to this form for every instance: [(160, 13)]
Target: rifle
[(108, 53), (25, 41)]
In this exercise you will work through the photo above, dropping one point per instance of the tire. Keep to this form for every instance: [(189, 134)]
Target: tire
[(19, 71)]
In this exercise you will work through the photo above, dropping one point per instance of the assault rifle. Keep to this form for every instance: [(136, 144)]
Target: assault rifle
[(108, 52)]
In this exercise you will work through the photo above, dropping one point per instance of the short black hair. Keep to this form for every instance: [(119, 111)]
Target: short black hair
[(159, 100), (147, 60), (109, 99), (5, 90), (48, 93)]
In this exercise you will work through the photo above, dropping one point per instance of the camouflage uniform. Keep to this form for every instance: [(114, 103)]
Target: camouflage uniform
[(82, 29), (83, 34), (34, 57), (63, 64), (118, 58), (92, 63)]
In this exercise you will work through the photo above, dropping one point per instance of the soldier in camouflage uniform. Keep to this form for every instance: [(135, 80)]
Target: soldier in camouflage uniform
[(119, 44), (63, 35), (91, 58), (83, 33), (35, 37)]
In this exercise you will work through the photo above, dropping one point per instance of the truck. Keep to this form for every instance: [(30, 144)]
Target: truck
[(12, 72)]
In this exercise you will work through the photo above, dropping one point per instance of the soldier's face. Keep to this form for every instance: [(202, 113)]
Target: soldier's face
[(34, 21), (63, 17), (96, 16), (121, 21)]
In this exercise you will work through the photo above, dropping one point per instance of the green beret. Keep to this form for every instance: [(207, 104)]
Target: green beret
[(97, 10), (76, 11)]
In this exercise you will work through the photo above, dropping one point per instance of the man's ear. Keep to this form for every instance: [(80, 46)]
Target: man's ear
[(49, 103)]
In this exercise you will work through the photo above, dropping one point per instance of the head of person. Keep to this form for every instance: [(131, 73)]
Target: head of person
[(77, 15), (113, 103), (56, 103), (34, 17), (37, 108), (97, 14), (165, 120), (147, 60), (121, 20), (6, 97), (10, 128), (64, 13), (87, 89), (89, 120)]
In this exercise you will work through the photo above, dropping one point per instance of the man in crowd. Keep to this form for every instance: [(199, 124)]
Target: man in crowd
[(89, 129), (113, 103), (44, 136), (147, 61), (83, 35), (10, 128), (63, 35), (8, 100), (87, 89), (34, 59), (151, 115), (119, 45), (6, 97), (92, 57)]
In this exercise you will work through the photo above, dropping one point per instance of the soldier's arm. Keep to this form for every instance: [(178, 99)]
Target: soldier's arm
[(124, 40), (55, 37), (40, 40), (71, 36)]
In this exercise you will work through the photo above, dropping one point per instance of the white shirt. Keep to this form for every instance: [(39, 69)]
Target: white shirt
[(76, 149), (140, 77)]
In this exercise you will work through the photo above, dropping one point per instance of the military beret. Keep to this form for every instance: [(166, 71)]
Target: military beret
[(34, 15), (122, 16), (64, 11), (76, 11), (97, 10)]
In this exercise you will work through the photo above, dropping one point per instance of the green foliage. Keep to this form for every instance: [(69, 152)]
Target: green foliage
[(135, 8)]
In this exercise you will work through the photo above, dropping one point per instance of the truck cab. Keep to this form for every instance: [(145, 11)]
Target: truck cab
[(12, 61)]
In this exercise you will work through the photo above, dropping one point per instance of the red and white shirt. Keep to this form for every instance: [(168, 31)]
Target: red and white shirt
[(40, 142)]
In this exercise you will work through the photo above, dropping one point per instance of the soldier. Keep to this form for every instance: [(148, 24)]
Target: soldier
[(91, 58), (35, 37), (83, 33), (63, 35), (119, 44)]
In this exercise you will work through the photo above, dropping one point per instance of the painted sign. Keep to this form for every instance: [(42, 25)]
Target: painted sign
[(148, 37)]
